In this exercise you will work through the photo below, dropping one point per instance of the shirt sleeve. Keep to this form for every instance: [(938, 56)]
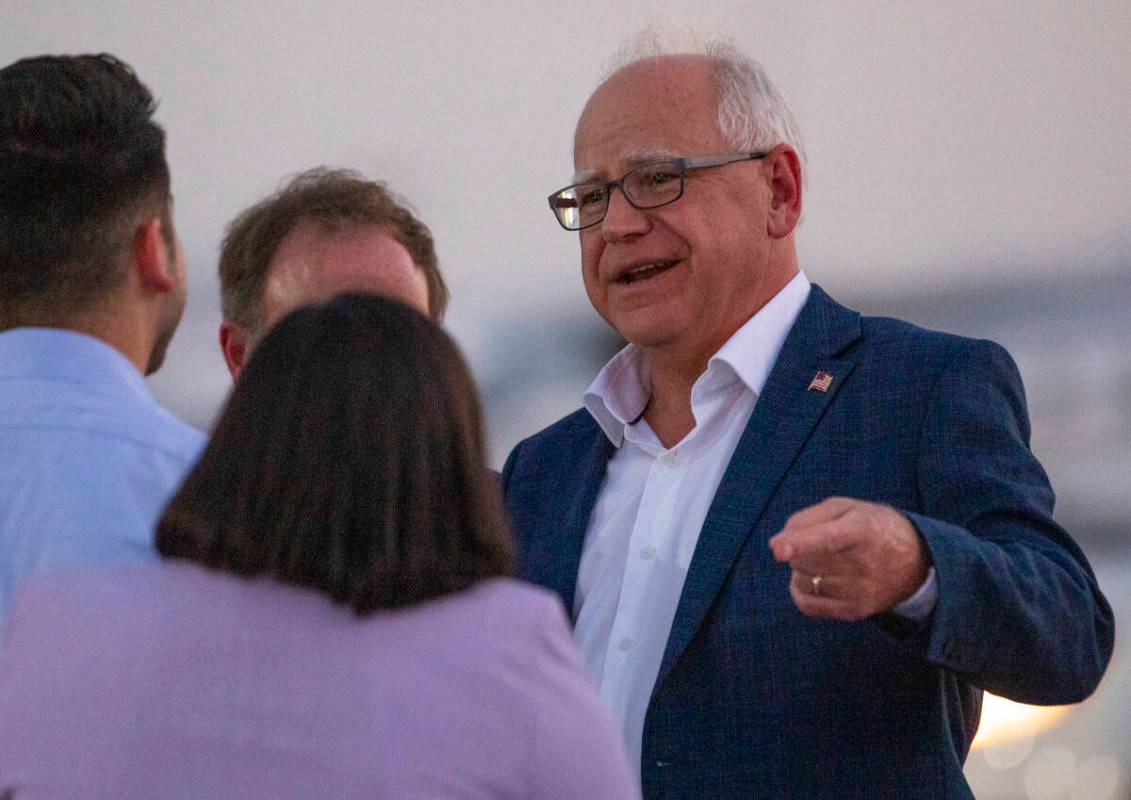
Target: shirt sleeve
[(919, 606)]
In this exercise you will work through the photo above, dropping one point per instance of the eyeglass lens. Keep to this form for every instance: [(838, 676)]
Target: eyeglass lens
[(645, 187)]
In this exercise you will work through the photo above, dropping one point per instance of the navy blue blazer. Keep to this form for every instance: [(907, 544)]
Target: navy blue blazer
[(756, 700)]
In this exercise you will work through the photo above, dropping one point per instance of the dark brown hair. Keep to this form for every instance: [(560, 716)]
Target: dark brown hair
[(349, 459), (81, 164), (336, 199)]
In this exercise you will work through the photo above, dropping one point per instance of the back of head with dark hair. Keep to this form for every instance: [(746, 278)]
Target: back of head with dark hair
[(81, 162), (350, 459), (336, 199)]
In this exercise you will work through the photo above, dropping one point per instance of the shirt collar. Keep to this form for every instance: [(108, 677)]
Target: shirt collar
[(619, 394), (57, 354)]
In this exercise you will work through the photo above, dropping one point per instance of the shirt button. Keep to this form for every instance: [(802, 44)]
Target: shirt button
[(625, 643), (647, 551), (670, 459)]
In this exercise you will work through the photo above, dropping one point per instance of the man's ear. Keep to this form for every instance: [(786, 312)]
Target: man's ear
[(233, 341), (152, 258), (784, 180)]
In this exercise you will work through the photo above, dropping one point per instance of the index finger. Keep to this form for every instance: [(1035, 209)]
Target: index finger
[(827, 510), (821, 539)]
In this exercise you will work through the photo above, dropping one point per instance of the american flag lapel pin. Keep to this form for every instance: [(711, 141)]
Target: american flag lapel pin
[(821, 382)]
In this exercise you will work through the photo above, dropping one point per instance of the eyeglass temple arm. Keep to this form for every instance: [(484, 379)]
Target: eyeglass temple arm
[(718, 161)]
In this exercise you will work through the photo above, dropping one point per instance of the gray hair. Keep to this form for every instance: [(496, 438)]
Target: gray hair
[(753, 114)]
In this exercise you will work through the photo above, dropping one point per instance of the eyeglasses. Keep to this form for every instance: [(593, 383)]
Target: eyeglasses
[(583, 205)]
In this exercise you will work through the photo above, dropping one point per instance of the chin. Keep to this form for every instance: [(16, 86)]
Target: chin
[(650, 332), (156, 359), (164, 336), (157, 355)]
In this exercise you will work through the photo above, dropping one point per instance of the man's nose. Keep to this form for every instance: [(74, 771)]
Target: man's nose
[(622, 219)]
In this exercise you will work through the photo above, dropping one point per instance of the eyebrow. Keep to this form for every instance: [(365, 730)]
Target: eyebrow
[(584, 176), (634, 158)]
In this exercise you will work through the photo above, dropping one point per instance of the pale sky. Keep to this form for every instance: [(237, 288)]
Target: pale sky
[(947, 142)]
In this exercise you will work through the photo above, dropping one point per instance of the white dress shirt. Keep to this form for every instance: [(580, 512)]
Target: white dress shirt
[(652, 504), (646, 521)]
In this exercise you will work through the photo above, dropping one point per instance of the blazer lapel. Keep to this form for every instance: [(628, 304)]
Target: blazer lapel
[(553, 560), (784, 416)]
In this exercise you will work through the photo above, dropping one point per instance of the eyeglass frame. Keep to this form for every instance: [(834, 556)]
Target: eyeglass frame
[(683, 165)]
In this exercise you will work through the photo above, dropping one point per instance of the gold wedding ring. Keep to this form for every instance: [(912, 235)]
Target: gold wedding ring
[(816, 581)]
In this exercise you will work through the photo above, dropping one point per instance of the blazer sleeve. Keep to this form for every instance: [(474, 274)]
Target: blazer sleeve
[(1019, 611)]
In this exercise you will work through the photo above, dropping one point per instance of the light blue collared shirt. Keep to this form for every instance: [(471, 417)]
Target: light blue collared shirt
[(88, 459)]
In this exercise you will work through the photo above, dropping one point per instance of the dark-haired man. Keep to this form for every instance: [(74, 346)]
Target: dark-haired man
[(323, 233), (92, 286)]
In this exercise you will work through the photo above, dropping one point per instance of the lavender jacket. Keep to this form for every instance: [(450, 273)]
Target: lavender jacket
[(172, 681)]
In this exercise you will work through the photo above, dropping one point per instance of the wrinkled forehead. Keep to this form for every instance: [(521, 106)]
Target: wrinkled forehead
[(650, 110), (636, 157)]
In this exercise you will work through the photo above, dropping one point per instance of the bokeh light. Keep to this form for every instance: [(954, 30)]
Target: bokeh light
[(1006, 721)]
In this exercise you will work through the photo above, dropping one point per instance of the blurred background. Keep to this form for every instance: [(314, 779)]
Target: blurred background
[(969, 170)]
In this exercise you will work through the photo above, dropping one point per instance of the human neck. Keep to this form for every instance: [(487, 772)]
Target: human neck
[(674, 369), (668, 412), (117, 327)]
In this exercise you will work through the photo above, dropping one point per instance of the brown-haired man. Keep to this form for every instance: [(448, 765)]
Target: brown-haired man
[(92, 286), (323, 233)]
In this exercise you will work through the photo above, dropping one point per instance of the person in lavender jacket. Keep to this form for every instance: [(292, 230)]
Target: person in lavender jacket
[(333, 616)]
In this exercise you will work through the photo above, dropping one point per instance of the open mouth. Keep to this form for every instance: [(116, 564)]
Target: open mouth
[(643, 272)]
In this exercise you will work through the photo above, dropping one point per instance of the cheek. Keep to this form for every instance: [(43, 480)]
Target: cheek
[(591, 249)]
